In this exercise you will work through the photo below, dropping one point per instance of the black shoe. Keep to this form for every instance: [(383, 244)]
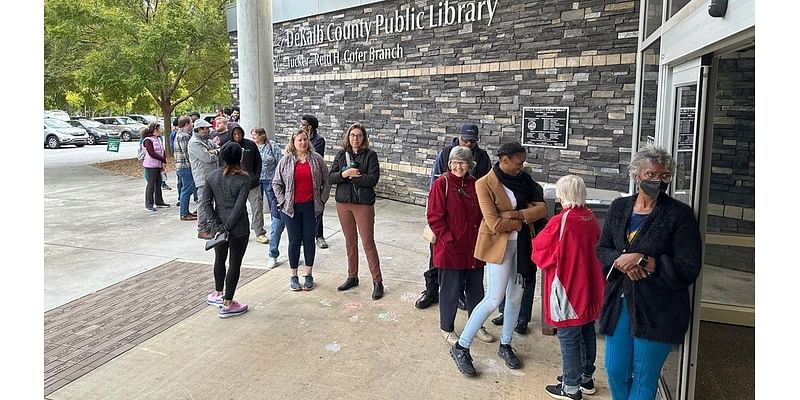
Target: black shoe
[(521, 328), (586, 387), (463, 360), (426, 300), (177, 204), (556, 392), (462, 301), (348, 283), (377, 290), (507, 353), (498, 320), (163, 205)]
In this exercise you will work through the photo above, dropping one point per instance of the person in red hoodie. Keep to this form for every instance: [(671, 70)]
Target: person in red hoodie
[(573, 286)]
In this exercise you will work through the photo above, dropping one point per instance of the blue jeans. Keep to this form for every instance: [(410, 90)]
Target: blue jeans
[(526, 309), (277, 224), (186, 190), (578, 353), (633, 364), (301, 230), (501, 280)]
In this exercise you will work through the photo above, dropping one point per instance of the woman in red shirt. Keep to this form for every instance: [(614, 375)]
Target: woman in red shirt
[(301, 189)]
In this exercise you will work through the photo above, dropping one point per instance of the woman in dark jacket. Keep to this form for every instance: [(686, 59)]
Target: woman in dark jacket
[(454, 216), (355, 171), (225, 201), (650, 250)]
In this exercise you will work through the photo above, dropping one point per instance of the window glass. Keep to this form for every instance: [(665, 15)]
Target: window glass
[(653, 16), (676, 5), (649, 93)]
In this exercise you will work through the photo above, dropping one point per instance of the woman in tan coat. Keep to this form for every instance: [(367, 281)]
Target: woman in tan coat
[(509, 199)]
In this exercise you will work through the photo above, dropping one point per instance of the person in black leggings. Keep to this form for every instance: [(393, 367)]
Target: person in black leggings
[(225, 200)]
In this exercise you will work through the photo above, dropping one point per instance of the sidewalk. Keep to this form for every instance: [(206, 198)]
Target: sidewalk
[(319, 344)]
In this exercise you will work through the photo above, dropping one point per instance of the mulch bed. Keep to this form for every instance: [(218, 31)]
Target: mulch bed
[(131, 166)]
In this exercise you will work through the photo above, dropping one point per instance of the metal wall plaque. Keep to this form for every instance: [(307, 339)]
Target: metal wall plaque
[(545, 126)]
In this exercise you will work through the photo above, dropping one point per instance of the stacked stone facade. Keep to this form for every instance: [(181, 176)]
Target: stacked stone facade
[(576, 54)]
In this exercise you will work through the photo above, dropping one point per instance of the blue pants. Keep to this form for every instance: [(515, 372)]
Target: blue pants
[(578, 353), (301, 230), (633, 364), (186, 189), (526, 308), (501, 280), (277, 224)]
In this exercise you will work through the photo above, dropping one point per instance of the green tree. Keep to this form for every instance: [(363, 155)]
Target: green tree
[(114, 51)]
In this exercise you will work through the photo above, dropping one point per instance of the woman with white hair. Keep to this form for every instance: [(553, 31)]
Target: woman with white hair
[(573, 286), (454, 216), (650, 252)]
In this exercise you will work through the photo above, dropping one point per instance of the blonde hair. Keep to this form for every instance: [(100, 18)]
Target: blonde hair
[(571, 190), (290, 149)]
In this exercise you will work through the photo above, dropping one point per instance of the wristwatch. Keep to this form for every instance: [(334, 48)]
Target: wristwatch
[(643, 261)]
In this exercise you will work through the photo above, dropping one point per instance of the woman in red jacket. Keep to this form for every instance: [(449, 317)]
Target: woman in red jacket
[(454, 216), (573, 286)]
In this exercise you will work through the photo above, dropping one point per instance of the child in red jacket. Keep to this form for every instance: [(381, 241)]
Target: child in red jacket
[(573, 286)]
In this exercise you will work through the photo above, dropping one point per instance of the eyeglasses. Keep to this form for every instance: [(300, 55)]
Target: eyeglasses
[(356, 135), (461, 163), (652, 175)]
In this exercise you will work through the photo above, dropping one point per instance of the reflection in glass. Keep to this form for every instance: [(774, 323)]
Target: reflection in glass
[(654, 15), (649, 94), (676, 5), (684, 136)]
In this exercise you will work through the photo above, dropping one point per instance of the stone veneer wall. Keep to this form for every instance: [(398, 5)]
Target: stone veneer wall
[(579, 54)]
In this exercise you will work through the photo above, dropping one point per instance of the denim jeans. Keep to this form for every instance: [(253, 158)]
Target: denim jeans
[(526, 308), (633, 364), (277, 225), (578, 353), (301, 229), (256, 202), (186, 190), (501, 280)]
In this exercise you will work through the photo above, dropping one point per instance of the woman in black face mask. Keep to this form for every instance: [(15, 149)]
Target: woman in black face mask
[(650, 251)]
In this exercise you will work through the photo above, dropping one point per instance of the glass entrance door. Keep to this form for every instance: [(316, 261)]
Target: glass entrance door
[(684, 122)]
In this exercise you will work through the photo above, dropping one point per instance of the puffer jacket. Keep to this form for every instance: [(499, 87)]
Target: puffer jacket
[(283, 183), (356, 190)]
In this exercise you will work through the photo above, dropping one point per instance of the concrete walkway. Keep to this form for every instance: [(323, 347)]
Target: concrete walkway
[(319, 344)]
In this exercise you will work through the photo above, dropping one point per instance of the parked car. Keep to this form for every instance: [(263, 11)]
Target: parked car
[(58, 114), (58, 133), (98, 133), (145, 119), (128, 128)]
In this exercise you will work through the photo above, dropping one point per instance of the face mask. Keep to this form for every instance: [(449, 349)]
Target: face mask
[(653, 188)]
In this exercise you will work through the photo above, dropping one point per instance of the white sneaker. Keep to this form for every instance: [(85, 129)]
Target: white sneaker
[(272, 262), (262, 239), (484, 335), (450, 337)]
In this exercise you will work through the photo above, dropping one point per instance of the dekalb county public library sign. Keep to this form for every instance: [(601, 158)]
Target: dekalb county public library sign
[(444, 13)]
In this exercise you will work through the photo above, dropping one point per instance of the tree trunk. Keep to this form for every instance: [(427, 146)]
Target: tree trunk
[(166, 111)]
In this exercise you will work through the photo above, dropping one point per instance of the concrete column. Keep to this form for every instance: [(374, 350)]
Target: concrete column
[(256, 90)]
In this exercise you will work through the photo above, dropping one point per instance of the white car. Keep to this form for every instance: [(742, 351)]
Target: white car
[(58, 114), (58, 133)]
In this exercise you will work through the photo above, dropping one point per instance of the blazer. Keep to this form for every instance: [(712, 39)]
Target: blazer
[(658, 305), (283, 183), (494, 231), (225, 201)]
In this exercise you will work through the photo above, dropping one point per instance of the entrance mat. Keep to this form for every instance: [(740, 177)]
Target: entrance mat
[(87, 332)]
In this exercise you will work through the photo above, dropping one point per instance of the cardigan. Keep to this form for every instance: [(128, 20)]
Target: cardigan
[(659, 305)]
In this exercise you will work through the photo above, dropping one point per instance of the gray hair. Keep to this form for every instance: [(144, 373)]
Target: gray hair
[(651, 155), (571, 190), (461, 153)]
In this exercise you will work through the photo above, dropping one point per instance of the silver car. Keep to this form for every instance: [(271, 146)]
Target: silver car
[(128, 128), (58, 133), (98, 133)]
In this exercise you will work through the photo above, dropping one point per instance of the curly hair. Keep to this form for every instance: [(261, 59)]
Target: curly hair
[(651, 155)]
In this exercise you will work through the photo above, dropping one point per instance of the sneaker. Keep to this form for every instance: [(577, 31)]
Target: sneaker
[(164, 205), (166, 187), (177, 203), (214, 299), (498, 320), (262, 239), (321, 243), (586, 387), (234, 309), (272, 262), (521, 328), (294, 283), (188, 217), (556, 392), (507, 354), (151, 209), (309, 283), (484, 336), (450, 337), (463, 360)]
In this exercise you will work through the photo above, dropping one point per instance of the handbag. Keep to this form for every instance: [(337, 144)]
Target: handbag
[(218, 239), (427, 233)]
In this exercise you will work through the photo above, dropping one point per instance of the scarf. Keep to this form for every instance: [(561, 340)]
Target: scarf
[(525, 191)]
